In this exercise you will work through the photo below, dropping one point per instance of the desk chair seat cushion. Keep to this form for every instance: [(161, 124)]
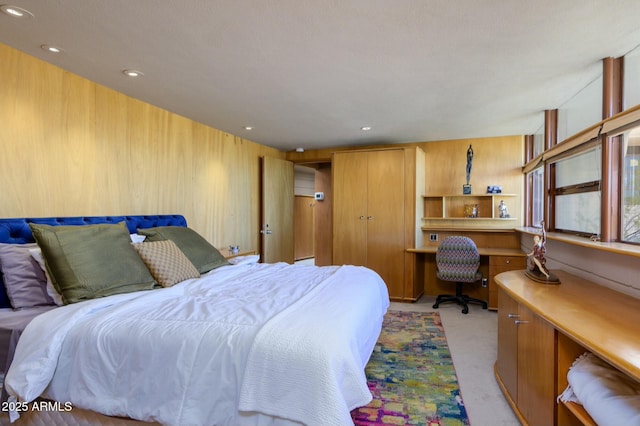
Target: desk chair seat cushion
[(458, 260)]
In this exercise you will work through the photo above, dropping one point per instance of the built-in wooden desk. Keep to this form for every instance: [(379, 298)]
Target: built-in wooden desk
[(496, 260), (565, 321), (484, 251)]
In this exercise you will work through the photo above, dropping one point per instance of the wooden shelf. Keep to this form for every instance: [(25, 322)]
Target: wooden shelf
[(580, 413), (450, 211)]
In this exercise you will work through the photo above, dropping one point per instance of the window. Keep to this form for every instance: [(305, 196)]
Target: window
[(577, 189), (631, 186), (536, 179)]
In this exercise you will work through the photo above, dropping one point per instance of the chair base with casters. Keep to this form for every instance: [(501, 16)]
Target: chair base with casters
[(460, 299)]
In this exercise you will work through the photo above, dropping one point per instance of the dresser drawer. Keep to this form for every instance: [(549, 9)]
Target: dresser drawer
[(497, 265), (511, 262)]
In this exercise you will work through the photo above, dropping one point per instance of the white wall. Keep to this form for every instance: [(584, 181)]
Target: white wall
[(305, 181)]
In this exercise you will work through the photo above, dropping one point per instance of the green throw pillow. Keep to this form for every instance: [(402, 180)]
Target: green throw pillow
[(90, 261), (203, 255)]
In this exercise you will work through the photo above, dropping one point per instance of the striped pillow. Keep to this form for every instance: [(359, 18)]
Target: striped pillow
[(166, 262)]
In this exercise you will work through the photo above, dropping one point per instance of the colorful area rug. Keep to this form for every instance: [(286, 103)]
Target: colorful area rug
[(411, 375)]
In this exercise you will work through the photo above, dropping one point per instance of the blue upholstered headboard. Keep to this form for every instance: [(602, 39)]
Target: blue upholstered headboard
[(17, 231)]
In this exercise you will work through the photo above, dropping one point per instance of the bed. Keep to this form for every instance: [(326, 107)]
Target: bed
[(204, 340)]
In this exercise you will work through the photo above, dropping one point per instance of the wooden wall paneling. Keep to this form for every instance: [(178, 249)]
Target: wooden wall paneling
[(72, 147), (43, 138), (117, 167), (70, 153), (494, 239), (497, 161), (210, 209)]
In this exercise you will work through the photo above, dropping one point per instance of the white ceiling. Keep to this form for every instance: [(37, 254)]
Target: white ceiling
[(312, 73)]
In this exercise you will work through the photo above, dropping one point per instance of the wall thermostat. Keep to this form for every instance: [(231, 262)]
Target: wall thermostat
[(319, 196)]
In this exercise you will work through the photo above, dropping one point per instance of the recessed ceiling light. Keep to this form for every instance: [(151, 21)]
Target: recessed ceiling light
[(52, 49), (133, 73), (365, 128), (248, 127), (15, 11)]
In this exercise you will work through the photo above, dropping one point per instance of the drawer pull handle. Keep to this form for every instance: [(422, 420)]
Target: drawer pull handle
[(508, 261), (518, 322), (513, 316)]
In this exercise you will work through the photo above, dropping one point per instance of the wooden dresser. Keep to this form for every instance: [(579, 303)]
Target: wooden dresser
[(543, 328)]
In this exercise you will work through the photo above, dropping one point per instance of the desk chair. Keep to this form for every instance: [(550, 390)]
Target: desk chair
[(457, 260)]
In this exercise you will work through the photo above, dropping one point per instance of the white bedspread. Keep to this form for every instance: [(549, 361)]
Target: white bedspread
[(243, 341)]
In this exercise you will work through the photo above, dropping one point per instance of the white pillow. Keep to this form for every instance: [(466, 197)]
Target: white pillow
[(36, 253)]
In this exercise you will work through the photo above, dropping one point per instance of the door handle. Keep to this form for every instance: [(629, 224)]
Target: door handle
[(370, 217), (266, 230)]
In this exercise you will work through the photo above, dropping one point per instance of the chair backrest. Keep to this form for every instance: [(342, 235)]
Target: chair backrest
[(457, 259)]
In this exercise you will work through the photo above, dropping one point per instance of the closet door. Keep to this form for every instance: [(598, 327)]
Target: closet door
[(349, 171), (385, 217)]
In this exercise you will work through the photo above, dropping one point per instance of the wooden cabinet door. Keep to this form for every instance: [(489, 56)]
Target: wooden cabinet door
[(536, 369), (349, 185), (507, 362), (385, 217), (526, 360)]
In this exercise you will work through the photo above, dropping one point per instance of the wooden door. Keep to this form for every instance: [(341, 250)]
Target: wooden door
[(277, 211), (349, 186), (303, 219), (536, 369), (385, 217)]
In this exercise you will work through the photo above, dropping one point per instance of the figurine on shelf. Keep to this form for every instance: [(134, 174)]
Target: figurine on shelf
[(466, 188), (537, 270), (469, 163), (502, 208), (538, 252)]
